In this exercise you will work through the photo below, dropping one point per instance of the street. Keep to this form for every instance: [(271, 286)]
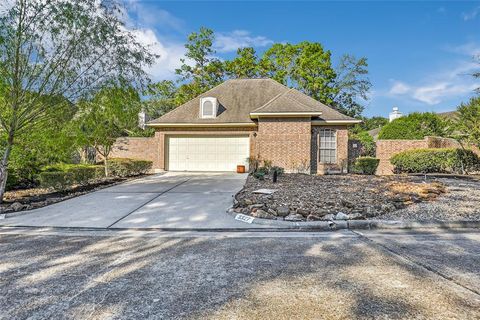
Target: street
[(83, 274)]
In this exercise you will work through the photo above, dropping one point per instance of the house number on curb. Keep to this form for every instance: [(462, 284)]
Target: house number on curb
[(244, 218)]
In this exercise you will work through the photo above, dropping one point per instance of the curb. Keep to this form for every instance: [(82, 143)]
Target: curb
[(333, 225)]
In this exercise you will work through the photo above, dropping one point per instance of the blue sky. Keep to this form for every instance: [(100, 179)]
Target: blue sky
[(419, 53)]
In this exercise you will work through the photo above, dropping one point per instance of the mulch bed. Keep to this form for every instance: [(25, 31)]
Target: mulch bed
[(301, 197), (33, 198)]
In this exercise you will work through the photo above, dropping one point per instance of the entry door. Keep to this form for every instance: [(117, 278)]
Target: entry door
[(207, 153)]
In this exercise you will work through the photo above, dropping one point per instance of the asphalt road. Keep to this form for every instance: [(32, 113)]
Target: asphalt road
[(47, 274)]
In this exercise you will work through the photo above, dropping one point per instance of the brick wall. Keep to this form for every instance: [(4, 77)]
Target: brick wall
[(285, 141), (342, 150), (136, 148), (386, 149)]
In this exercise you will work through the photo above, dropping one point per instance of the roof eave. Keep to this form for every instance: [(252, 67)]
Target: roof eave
[(256, 115), (327, 122), (183, 125)]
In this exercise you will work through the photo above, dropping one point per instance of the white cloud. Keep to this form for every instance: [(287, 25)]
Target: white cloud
[(231, 41), (454, 81), (399, 87), (472, 14), (170, 54)]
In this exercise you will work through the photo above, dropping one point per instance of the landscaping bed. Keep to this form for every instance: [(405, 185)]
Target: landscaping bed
[(300, 197), (27, 199)]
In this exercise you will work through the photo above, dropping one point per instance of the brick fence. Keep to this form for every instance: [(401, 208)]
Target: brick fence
[(136, 148), (386, 149)]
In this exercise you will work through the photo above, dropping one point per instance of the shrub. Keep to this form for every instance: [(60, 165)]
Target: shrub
[(123, 167), (57, 180), (260, 175), (277, 169), (436, 161), (367, 142), (366, 165), (263, 170), (415, 126), (61, 175)]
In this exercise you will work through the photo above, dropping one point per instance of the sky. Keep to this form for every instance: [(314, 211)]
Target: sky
[(420, 53)]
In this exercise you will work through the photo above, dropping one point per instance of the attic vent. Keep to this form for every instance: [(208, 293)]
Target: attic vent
[(208, 107)]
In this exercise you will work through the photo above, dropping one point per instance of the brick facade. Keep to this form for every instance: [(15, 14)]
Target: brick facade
[(285, 141), (291, 143), (386, 149)]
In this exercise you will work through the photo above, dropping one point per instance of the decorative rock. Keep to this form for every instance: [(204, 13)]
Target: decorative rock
[(259, 213), (248, 202), (356, 216), (294, 217), (283, 211), (313, 217), (303, 212), (17, 206), (329, 216), (341, 216), (320, 212), (271, 211)]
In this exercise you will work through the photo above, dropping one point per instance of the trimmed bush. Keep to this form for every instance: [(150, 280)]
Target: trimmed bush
[(366, 165), (449, 160), (123, 167), (57, 180), (60, 176)]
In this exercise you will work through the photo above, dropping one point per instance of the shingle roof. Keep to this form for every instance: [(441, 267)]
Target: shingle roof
[(239, 97)]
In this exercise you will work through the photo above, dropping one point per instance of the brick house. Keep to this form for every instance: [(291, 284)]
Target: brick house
[(246, 118)]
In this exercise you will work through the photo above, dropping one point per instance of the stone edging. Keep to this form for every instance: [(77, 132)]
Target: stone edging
[(332, 225)]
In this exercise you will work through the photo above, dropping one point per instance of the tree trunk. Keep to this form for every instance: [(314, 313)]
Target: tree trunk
[(105, 162), (4, 167)]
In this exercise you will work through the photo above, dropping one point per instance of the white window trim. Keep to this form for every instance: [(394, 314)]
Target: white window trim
[(319, 146)]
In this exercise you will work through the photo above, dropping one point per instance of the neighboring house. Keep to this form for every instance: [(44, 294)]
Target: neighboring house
[(250, 119)]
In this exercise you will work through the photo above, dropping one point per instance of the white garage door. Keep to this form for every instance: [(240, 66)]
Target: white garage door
[(207, 153)]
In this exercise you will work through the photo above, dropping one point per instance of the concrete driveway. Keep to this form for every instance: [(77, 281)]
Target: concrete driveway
[(170, 200)]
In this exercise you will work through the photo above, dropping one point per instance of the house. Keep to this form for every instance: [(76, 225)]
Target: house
[(245, 119)]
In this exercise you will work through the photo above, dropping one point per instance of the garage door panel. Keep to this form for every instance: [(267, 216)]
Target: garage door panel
[(202, 153)]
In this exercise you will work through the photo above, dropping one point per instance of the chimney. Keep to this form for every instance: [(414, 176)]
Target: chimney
[(395, 114), (142, 119)]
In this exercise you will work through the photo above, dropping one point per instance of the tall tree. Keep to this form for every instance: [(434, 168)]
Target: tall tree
[(159, 98), (106, 117), (59, 48), (305, 66), (244, 65), (200, 70), (351, 84)]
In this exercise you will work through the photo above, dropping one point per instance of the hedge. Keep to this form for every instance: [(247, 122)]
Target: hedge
[(123, 167), (366, 165), (61, 176), (449, 160)]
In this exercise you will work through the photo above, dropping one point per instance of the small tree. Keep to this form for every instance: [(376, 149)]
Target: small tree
[(416, 126), (468, 121), (59, 48), (106, 117)]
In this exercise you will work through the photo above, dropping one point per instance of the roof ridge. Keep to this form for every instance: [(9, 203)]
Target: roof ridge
[(271, 100), (281, 95)]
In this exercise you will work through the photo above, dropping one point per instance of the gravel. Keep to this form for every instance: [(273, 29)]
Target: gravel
[(460, 202), (320, 197)]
